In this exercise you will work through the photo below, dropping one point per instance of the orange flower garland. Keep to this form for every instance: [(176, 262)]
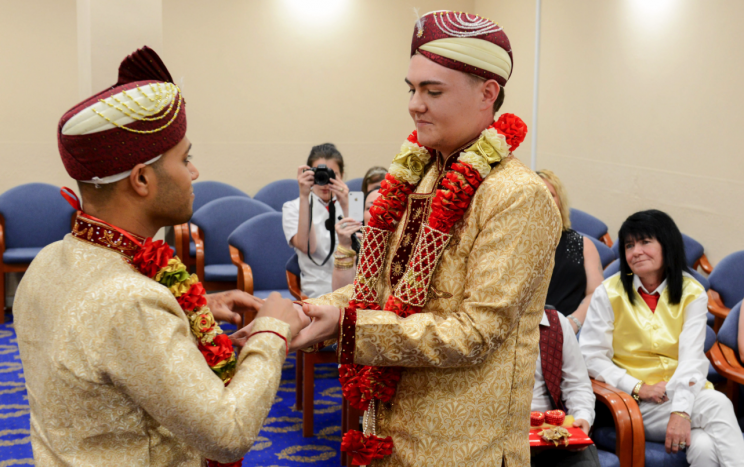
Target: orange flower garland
[(363, 385)]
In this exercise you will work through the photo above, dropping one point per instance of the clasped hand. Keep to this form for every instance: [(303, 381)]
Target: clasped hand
[(308, 324)]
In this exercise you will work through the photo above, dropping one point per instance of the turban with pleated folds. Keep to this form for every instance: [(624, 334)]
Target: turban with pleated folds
[(464, 42), (133, 122)]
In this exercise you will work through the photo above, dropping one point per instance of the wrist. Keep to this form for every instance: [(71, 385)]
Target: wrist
[(637, 391), (683, 415), (576, 321)]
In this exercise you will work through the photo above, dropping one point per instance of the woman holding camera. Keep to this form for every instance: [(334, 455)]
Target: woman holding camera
[(309, 220)]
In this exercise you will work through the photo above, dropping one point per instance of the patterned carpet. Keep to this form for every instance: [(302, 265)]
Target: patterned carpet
[(280, 442)]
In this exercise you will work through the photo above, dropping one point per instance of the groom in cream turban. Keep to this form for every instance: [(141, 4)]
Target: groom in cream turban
[(438, 336)]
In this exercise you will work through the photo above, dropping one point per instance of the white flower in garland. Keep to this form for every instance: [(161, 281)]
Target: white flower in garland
[(490, 148), (410, 162)]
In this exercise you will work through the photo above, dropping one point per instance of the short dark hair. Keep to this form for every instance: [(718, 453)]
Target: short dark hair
[(327, 151), (475, 79), (657, 225)]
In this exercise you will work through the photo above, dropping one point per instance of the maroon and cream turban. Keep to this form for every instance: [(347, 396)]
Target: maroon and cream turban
[(464, 42), (135, 121)]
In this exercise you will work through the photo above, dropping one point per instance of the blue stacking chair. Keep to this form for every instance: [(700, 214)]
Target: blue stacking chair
[(355, 184), (293, 274), (31, 217), (590, 225), (694, 254), (204, 192), (275, 194), (214, 222), (726, 286), (724, 356), (606, 255), (258, 249)]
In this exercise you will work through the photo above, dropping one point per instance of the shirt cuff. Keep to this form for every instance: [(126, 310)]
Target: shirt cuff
[(587, 415), (683, 401), (627, 383), (347, 336), (267, 340)]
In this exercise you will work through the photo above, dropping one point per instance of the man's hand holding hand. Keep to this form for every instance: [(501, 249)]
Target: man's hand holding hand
[(274, 307), (324, 326), (228, 306)]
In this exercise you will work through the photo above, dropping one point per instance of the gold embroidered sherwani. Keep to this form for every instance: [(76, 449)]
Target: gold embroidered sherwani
[(114, 375), (469, 357)]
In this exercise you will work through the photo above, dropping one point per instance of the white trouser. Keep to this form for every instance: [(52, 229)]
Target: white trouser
[(715, 438)]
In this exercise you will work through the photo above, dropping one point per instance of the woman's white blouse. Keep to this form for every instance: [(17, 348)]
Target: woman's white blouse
[(315, 280)]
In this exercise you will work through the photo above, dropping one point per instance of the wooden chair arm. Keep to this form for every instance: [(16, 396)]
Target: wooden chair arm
[(606, 239), (725, 362), (245, 273), (178, 232), (2, 236), (631, 438), (196, 234), (705, 264), (293, 284), (716, 306)]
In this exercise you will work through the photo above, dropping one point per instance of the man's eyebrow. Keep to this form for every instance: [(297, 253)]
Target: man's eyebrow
[(429, 82)]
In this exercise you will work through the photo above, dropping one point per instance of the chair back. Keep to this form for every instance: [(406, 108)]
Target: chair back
[(693, 250), (710, 338), (275, 194), (35, 215), (606, 255), (355, 184), (726, 279), (612, 269), (261, 242), (217, 220), (588, 224), (728, 335), (205, 192), (700, 278)]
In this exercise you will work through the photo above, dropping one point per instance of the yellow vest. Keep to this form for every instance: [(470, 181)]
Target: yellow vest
[(646, 343)]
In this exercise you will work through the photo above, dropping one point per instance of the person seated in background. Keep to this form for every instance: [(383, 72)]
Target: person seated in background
[(309, 220), (644, 334), (344, 264), (562, 382), (373, 178), (578, 269)]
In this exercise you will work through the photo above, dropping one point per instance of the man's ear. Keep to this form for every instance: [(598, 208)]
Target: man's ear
[(142, 180), (491, 91)]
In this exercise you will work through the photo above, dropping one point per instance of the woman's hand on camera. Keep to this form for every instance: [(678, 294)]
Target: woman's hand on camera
[(341, 192), (345, 228), (306, 180)]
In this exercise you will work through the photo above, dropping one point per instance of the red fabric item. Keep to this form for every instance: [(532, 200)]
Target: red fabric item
[(551, 357), (513, 128), (221, 350), (152, 257), (651, 299), (194, 298), (436, 28), (115, 150), (347, 343)]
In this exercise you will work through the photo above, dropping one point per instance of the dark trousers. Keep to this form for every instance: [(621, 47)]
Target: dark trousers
[(563, 458)]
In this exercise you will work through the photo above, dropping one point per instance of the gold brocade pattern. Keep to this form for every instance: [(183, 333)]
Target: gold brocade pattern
[(464, 397), (114, 375), (646, 344)]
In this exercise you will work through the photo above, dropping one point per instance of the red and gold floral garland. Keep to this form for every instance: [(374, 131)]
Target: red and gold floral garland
[(155, 260), (362, 385)]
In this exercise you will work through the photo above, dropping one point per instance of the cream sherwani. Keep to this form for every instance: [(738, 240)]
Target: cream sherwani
[(113, 373), (469, 357)]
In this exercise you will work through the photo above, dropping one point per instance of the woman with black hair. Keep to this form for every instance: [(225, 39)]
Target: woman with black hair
[(644, 334)]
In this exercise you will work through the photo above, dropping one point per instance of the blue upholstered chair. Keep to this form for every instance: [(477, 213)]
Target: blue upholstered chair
[(726, 286), (258, 249), (204, 192), (212, 225), (694, 253), (606, 255), (275, 194), (355, 184), (31, 217), (590, 225), (724, 355)]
